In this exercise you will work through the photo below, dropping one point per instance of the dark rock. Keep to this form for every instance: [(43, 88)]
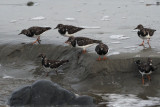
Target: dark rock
[(30, 3), (45, 92), (21, 96)]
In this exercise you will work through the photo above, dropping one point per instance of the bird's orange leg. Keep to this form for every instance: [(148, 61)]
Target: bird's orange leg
[(142, 80), (104, 58), (38, 40), (47, 74), (34, 42), (142, 44), (84, 51), (148, 43), (56, 72), (149, 77), (99, 58)]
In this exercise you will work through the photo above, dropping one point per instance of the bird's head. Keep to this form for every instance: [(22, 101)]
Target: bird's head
[(58, 26), (42, 55), (140, 26), (24, 31), (71, 41), (138, 62)]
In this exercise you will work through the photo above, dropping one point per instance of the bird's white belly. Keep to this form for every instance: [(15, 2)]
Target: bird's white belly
[(84, 47), (36, 36), (149, 73), (143, 73), (145, 37), (67, 34)]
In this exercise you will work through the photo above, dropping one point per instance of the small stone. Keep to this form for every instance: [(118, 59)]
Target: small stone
[(30, 3)]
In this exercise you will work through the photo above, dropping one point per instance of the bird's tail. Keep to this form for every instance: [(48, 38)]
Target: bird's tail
[(64, 61), (137, 62), (155, 68), (97, 41), (47, 28), (81, 28)]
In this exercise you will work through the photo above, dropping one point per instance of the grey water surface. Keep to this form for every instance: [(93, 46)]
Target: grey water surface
[(115, 82)]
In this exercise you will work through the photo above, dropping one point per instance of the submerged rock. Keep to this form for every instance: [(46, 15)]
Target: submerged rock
[(30, 3), (44, 92)]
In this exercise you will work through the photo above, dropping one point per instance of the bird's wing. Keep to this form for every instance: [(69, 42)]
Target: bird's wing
[(105, 47), (150, 31), (81, 41), (72, 29), (144, 32), (55, 64), (37, 30)]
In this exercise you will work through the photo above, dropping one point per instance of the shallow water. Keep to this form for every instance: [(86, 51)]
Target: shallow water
[(128, 100), (111, 21), (123, 18)]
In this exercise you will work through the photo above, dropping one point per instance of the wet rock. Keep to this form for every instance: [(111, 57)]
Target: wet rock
[(21, 96), (44, 92)]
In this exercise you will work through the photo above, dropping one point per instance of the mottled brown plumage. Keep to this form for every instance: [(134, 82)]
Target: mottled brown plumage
[(82, 42), (35, 31), (145, 68), (67, 30), (51, 63), (145, 33)]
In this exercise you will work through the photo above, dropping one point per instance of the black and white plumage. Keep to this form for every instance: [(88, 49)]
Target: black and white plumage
[(145, 68), (35, 31), (145, 33), (67, 30), (102, 50), (53, 64), (81, 42)]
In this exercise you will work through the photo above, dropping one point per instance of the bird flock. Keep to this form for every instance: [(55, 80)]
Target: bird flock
[(145, 68)]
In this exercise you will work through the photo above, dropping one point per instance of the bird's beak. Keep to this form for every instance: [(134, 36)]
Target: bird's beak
[(39, 56), (135, 28), (55, 27), (19, 33), (67, 42)]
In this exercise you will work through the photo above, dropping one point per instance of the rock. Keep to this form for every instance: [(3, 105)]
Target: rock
[(21, 96), (30, 3), (46, 93)]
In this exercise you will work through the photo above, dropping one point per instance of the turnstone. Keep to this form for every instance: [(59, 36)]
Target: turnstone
[(53, 64), (145, 33), (145, 68), (102, 50), (67, 30), (35, 31), (81, 42)]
